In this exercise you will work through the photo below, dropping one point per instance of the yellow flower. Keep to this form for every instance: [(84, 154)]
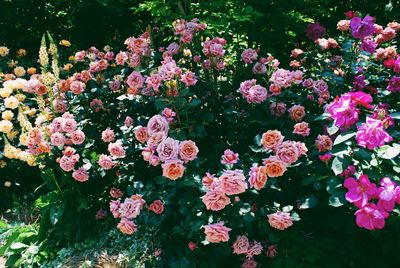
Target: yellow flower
[(11, 102), (12, 63), (20, 97), (7, 115), (5, 126), (12, 134), (5, 92), (19, 71), (21, 52), (67, 67), (65, 43), (71, 58), (32, 70), (31, 160), (4, 51), (2, 163), (23, 139), (187, 52)]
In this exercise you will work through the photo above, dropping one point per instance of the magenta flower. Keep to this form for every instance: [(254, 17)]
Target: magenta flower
[(361, 28), (359, 191), (394, 84), (368, 45), (387, 194), (372, 134), (229, 157), (361, 98), (343, 110), (315, 31), (371, 217)]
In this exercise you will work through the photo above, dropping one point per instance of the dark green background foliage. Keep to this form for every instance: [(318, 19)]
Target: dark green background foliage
[(274, 25)]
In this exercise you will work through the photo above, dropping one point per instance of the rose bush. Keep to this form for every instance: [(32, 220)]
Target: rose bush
[(211, 145)]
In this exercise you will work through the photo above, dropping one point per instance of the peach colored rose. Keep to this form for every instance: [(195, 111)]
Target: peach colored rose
[(232, 182), (173, 169), (188, 150), (116, 193), (323, 143), (271, 139), (141, 134), (297, 112), (126, 226), (215, 200), (258, 177), (343, 25), (274, 167), (280, 220), (208, 180), (241, 245), (288, 152), (217, 232)]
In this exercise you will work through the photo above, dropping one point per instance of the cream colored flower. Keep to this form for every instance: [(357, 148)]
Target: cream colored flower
[(23, 139), (20, 97), (7, 115), (5, 92), (5, 126), (10, 151), (12, 134), (2, 163), (19, 71), (21, 52), (11, 102), (4, 51)]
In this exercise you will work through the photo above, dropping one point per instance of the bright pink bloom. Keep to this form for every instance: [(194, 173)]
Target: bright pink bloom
[(189, 79), (325, 157), (229, 157), (157, 207), (126, 226), (105, 162), (371, 217), (192, 245), (215, 200), (249, 55), (372, 134), (359, 191), (108, 135), (77, 137), (116, 149), (135, 80), (343, 110), (387, 194), (233, 182)]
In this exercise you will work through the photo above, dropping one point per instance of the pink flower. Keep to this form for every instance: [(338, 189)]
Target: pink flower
[(168, 149), (271, 139), (157, 207), (157, 124), (81, 174), (325, 157), (257, 177), (215, 200), (67, 163), (68, 125), (288, 152), (121, 58), (217, 232), (255, 249), (108, 135), (297, 112), (173, 169), (153, 81), (301, 129), (280, 220), (257, 94), (77, 87), (101, 214), (249, 263), (229, 157), (57, 139), (371, 217), (105, 162), (128, 121), (141, 134), (387, 194), (245, 87), (271, 251), (324, 143), (274, 167), (233, 182), (249, 55), (241, 245), (116, 193), (359, 191), (77, 137), (114, 208), (189, 78), (192, 245), (372, 134), (135, 80), (188, 151), (169, 114), (116, 149), (259, 68), (96, 105), (343, 110), (126, 226), (130, 208), (281, 78), (278, 109)]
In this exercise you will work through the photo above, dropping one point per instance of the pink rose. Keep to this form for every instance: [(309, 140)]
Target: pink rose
[(301, 129), (280, 220), (241, 245), (135, 80), (130, 208), (189, 78), (77, 87), (233, 182), (288, 152), (173, 169), (229, 157), (116, 193), (249, 55), (105, 162), (192, 245), (215, 200), (77, 137), (188, 150), (128, 121), (126, 226), (257, 177), (68, 125), (67, 163), (217, 232), (108, 135), (81, 174), (297, 112), (157, 207), (57, 139), (157, 124), (114, 208), (116, 149), (141, 134), (168, 149)]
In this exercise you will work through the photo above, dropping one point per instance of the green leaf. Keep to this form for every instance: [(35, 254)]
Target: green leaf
[(343, 137), (337, 165), (18, 245), (395, 115), (322, 117), (391, 152), (332, 129), (309, 202), (337, 199)]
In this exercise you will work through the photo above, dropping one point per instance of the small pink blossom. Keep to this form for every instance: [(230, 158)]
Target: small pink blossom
[(229, 157)]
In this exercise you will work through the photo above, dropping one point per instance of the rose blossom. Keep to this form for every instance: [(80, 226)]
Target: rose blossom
[(249, 263), (215, 200), (233, 182), (114, 208), (68, 125), (173, 169), (255, 249), (157, 207), (188, 150), (372, 134), (249, 55), (278, 109), (229, 157), (371, 217), (67, 163), (271, 251), (288, 152), (168, 149), (271, 139), (108, 135), (257, 177), (301, 129), (77, 87), (80, 174), (274, 167), (135, 80), (217, 232), (280, 220), (130, 208), (126, 226), (57, 139), (141, 134), (192, 245), (315, 31), (241, 245), (323, 143), (189, 79), (105, 161), (116, 149), (77, 137), (297, 112), (116, 193), (157, 124)]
